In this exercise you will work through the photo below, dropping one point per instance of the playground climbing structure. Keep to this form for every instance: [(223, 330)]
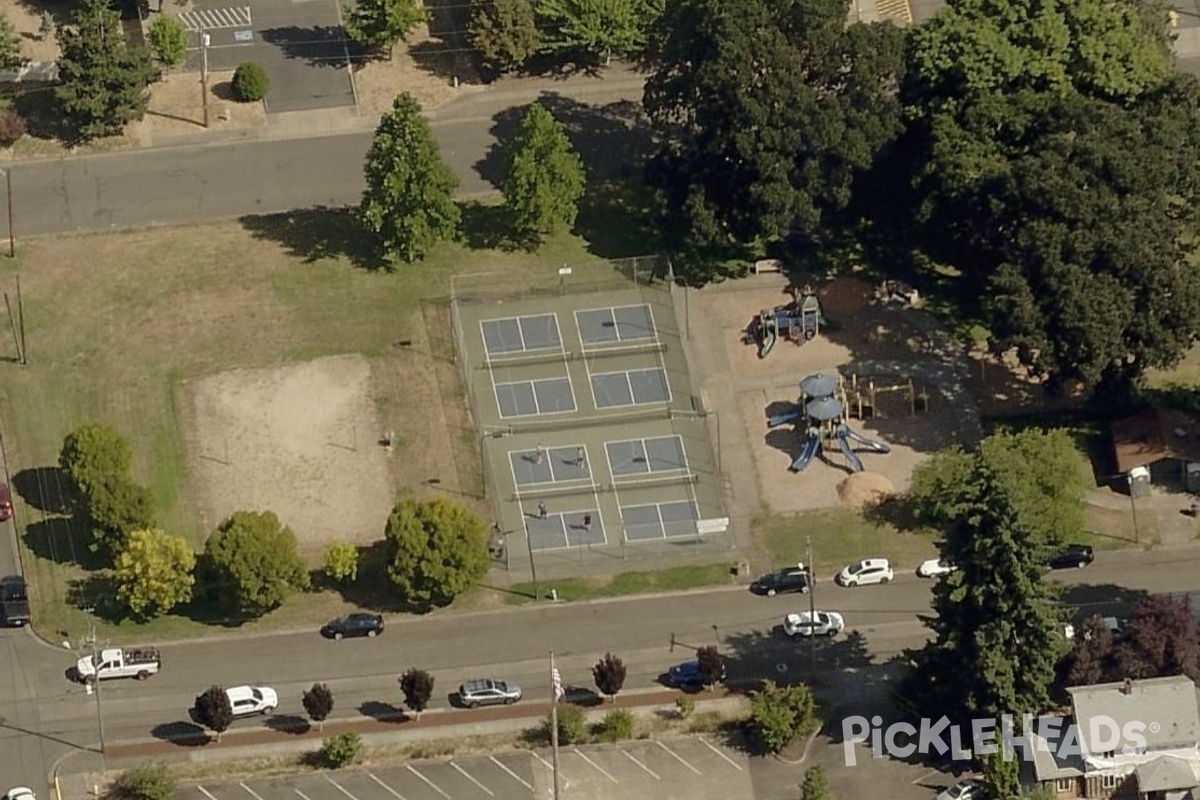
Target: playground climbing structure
[(821, 414)]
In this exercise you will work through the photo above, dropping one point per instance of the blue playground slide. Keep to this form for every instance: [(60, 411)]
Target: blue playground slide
[(878, 447), (811, 445), (844, 443), (791, 415)]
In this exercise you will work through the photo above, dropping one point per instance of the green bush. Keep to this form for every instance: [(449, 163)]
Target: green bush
[(572, 727), (340, 750), (781, 714), (150, 781), (168, 40), (250, 82), (685, 706), (617, 726)]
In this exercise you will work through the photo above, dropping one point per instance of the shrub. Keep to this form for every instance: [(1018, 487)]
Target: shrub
[(685, 706), (340, 750), (617, 726), (572, 727), (12, 128), (151, 781), (250, 82), (168, 40), (781, 714)]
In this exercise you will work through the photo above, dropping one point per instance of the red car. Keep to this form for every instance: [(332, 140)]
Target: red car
[(5, 503)]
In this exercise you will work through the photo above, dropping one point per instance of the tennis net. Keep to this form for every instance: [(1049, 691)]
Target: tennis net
[(549, 491), (572, 422), (523, 358)]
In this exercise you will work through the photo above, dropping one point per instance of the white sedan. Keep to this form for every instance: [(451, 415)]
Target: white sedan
[(866, 572), (247, 701), (970, 789), (20, 793), (935, 568), (822, 623)]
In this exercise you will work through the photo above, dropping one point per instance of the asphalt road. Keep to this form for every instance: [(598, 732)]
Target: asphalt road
[(514, 644)]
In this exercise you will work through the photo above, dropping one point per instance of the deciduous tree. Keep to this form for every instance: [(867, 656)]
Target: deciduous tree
[(1161, 639), (340, 562), (545, 177), (168, 40), (10, 45), (103, 80), (504, 32), (815, 785), (375, 24), (437, 549), (780, 714), (1091, 658), (252, 564), (94, 453), (409, 200), (599, 29), (214, 711), (154, 572), (117, 507), (712, 666), (609, 674), (417, 686), (318, 704)]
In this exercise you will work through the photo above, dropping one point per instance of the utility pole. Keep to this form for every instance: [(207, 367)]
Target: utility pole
[(12, 239), (812, 612), (532, 566), (205, 41), (95, 684), (556, 692)]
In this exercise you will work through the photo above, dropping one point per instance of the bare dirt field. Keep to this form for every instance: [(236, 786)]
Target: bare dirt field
[(302, 441), (378, 82), (860, 338)]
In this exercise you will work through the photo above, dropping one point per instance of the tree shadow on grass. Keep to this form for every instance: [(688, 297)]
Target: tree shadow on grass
[(64, 540), (184, 734), (97, 594), (372, 589), (43, 118), (620, 220), (318, 234), (489, 226), (47, 489)]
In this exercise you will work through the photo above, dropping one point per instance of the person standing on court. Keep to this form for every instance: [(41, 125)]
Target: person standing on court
[(587, 522), (542, 510), (580, 458)]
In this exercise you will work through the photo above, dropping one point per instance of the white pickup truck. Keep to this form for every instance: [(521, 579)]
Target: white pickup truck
[(119, 663)]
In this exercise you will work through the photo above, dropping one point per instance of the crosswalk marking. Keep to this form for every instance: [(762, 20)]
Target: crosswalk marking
[(895, 10), (216, 18)]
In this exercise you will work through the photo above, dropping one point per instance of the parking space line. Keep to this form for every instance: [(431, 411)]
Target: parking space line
[(514, 775), (716, 750), (599, 768), (253, 793), (649, 771), (387, 788), (303, 796), (679, 758), (471, 778), (339, 787), (432, 785), (549, 766), (205, 792)]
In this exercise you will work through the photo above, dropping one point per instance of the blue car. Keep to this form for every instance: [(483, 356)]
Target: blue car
[(687, 675)]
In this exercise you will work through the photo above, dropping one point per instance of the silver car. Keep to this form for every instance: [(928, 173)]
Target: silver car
[(488, 693)]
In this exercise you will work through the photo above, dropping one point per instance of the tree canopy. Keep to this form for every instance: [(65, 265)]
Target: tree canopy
[(213, 710), (252, 564), (94, 453), (599, 29), (1160, 639), (10, 45), (436, 550), (504, 32), (375, 24), (609, 675), (545, 177), (103, 80), (154, 572), (417, 686), (318, 703), (409, 200), (767, 113)]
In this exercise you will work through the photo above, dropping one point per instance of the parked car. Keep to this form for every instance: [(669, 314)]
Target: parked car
[(15, 611), (866, 572), (970, 789), (6, 511), (1075, 556), (822, 623), (488, 692), (20, 793), (353, 625), (250, 700), (687, 675), (935, 568), (789, 579)]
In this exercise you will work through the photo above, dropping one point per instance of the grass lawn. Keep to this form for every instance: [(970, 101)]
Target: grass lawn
[(839, 537), (116, 324), (625, 583)]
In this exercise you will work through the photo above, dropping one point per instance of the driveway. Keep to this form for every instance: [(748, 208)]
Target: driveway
[(300, 43)]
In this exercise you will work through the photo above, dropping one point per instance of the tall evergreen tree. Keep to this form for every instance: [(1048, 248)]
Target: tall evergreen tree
[(996, 636), (504, 32), (103, 80), (10, 45), (409, 199), (545, 177)]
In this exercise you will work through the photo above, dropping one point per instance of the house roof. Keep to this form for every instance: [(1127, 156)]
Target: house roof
[(1050, 759), (1167, 709), (1154, 434), (1164, 774)]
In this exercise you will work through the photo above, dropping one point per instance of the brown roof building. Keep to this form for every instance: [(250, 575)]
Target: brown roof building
[(1153, 435)]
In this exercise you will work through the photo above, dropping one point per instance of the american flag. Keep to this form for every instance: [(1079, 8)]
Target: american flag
[(557, 680)]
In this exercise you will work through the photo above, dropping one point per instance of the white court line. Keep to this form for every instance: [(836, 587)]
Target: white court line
[(432, 785), (209, 794), (599, 768), (649, 771), (339, 787), (386, 788), (649, 313), (303, 796), (678, 758), (716, 750), (471, 778), (253, 793), (666, 382), (514, 775)]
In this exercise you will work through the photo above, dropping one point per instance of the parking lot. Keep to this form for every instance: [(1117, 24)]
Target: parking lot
[(690, 768)]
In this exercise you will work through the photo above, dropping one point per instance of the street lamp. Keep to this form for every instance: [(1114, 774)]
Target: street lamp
[(205, 41)]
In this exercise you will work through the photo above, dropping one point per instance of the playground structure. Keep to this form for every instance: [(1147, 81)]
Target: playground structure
[(823, 416), (799, 321), (861, 397)]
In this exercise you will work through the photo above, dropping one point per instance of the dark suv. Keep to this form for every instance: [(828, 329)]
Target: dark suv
[(1075, 556), (791, 579), (354, 625), (14, 602)]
